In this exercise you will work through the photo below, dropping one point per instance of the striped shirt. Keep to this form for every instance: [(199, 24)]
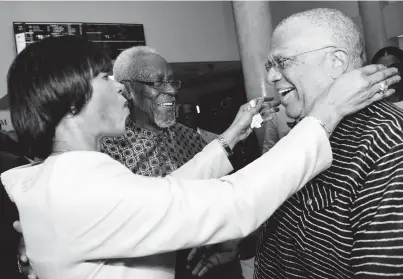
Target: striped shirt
[(348, 221)]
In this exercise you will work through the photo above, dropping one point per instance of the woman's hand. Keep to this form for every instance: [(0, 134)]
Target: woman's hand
[(22, 261), (240, 128), (352, 92), (201, 260)]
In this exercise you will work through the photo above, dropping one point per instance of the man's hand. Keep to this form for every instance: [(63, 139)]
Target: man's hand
[(23, 262), (210, 256)]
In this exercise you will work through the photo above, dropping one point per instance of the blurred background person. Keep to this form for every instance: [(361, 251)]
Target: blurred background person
[(392, 57), (189, 116)]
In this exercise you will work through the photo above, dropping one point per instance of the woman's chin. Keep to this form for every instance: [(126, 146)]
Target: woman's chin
[(115, 133), (121, 131)]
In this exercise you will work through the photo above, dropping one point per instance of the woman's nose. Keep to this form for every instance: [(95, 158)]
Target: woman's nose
[(119, 86), (121, 89)]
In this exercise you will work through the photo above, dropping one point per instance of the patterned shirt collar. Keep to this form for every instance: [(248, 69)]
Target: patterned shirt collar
[(143, 133), (149, 153)]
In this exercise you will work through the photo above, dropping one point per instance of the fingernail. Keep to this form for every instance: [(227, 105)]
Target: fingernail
[(23, 259)]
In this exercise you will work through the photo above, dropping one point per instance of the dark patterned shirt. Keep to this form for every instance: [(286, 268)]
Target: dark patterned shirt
[(348, 221), (154, 154)]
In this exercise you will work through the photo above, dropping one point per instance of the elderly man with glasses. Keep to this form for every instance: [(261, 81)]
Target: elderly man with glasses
[(348, 221), (155, 145)]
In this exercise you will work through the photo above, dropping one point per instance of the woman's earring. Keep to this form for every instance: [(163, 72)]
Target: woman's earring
[(73, 110)]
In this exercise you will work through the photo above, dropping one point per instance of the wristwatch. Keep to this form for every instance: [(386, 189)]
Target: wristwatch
[(225, 145)]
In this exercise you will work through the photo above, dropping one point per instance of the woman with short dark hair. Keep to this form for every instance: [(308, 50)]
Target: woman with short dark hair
[(84, 215), (64, 82)]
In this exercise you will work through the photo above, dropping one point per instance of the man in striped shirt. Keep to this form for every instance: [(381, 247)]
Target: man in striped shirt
[(348, 221)]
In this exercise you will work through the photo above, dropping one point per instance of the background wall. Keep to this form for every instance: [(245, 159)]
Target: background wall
[(394, 21), (179, 31)]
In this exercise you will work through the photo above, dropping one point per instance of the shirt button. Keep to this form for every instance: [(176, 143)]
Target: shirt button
[(309, 202)]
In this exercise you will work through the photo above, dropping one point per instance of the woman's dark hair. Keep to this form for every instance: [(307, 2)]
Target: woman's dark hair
[(45, 81), (390, 50)]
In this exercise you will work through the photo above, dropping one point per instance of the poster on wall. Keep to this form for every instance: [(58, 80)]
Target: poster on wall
[(114, 37), (28, 33)]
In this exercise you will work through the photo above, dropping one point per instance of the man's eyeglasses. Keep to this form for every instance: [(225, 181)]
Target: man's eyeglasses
[(281, 62), (159, 85)]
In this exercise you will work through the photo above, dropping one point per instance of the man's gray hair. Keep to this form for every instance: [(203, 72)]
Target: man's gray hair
[(345, 32), (125, 67)]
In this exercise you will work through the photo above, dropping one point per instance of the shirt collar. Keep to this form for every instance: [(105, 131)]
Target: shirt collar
[(145, 133)]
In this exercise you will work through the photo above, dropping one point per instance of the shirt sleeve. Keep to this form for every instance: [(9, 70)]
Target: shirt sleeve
[(378, 220), (271, 136), (211, 163), (133, 216)]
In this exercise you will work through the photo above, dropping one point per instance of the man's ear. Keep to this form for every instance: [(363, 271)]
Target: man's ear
[(341, 62)]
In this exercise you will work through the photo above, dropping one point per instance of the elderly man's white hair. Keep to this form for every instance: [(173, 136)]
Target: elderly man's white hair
[(345, 32), (125, 67)]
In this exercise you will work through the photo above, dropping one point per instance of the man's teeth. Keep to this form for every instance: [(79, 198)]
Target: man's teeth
[(167, 104), (285, 91)]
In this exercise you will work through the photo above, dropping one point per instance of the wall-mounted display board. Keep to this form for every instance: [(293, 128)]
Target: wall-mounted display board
[(114, 37)]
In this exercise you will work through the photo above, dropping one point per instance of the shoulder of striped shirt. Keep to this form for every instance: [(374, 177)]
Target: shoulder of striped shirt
[(384, 110)]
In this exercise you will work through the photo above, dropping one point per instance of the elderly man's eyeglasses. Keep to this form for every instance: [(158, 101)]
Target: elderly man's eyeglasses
[(176, 84), (281, 62)]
